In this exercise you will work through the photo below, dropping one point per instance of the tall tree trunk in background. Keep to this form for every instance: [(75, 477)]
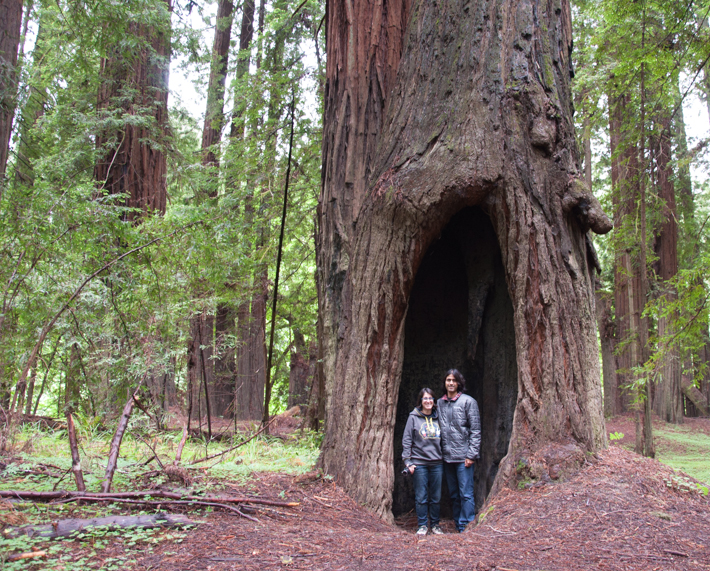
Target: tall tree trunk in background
[(246, 35), (224, 367), (214, 114), (301, 370), (251, 314), (605, 322), (211, 138), (607, 337), (133, 161), (627, 279), (28, 149), (10, 25), (476, 112), (251, 355), (669, 399), (201, 367)]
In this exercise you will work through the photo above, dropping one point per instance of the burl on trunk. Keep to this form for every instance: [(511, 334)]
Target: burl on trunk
[(453, 228)]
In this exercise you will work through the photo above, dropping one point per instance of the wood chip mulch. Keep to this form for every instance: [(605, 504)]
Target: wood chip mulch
[(617, 513)]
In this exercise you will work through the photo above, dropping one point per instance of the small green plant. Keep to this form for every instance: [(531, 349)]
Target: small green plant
[(686, 485), (616, 436)]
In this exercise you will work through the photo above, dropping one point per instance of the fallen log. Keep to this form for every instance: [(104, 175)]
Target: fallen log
[(100, 496), (69, 527), (695, 396), (28, 555)]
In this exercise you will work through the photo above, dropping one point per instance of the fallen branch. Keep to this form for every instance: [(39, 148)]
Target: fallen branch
[(100, 496), (75, 460), (178, 454), (69, 527), (28, 555), (166, 503), (252, 437), (117, 437)]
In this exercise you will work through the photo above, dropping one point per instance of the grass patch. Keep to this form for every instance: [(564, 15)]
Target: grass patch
[(680, 447)]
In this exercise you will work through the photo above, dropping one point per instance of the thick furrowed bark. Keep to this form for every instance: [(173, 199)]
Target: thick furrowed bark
[(480, 118)]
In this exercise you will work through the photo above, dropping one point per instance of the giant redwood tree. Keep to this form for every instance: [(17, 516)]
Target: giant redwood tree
[(453, 232)]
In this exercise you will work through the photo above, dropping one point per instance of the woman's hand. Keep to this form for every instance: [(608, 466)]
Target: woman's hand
[(411, 468)]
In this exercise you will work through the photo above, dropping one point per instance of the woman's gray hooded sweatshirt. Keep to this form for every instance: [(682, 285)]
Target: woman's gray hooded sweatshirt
[(421, 443)]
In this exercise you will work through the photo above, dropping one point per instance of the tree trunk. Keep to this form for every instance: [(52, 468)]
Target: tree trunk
[(302, 370), (214, 115), (627, 279), (251, 355), (28, 147), (245, 37), (224, 362), (669, 399), (211, 138), (605, 323), (200, 367), (10, 25), (479, 116), (132, 158)]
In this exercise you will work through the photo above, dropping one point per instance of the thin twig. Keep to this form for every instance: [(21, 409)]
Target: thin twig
[(262, 429)]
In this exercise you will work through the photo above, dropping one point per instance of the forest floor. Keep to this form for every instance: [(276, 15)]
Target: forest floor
[(620, 512)]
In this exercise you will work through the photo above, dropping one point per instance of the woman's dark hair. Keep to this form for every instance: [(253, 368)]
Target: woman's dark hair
[(459, 380), (421, 394)]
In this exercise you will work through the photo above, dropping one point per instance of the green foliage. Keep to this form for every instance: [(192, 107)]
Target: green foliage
[(216, 240), (616, 436)]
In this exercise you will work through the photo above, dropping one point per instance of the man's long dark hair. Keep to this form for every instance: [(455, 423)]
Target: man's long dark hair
[(459, 380)]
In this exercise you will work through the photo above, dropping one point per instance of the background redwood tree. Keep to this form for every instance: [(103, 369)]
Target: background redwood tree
[(432, 109)]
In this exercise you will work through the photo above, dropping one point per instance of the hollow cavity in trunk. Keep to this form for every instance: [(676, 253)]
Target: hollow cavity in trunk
[(460, 316)]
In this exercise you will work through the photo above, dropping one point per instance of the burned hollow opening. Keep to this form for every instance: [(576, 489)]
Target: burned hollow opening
[(460, 316)]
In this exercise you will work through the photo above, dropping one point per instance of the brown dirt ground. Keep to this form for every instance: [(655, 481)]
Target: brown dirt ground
[(617, 513)]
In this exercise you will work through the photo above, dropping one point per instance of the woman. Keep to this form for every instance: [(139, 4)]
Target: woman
[(422, 455)]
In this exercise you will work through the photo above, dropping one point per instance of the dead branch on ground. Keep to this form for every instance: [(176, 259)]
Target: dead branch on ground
[(118, 436), (75, 459), (68, 527), (262, 429)]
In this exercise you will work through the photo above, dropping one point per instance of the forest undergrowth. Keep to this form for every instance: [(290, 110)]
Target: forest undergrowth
[(278, 468)]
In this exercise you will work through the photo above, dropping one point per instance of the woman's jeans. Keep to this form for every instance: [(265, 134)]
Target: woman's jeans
[(459, 479), (427, 492)]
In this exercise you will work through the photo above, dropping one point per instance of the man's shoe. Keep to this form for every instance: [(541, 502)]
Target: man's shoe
[(436, 530), (422, 530)]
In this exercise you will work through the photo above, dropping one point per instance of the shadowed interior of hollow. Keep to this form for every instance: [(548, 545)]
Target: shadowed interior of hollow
[(460, 316)]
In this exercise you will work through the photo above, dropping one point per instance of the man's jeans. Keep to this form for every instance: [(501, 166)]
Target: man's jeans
[(427, 492), (460, 482)]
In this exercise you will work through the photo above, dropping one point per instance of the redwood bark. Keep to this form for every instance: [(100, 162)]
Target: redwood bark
[(478, 113), (627, 279), (669, 399), (301, 371), (251, 354), (10, 25), (607, 338), (214, 115), (132, 158)]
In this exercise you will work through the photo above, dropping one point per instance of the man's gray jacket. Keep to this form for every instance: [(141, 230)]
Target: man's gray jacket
[(460, 428)]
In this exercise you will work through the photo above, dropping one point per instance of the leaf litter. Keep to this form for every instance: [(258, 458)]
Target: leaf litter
[(618, 513)]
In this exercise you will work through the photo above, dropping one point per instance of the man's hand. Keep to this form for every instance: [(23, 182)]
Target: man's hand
[(468, 463), (411, 468)]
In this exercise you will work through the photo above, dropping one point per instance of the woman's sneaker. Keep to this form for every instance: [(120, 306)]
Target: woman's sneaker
[(436, 530), (422, 530)]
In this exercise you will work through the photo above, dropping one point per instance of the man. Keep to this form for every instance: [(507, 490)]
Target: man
[(460, 444)]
